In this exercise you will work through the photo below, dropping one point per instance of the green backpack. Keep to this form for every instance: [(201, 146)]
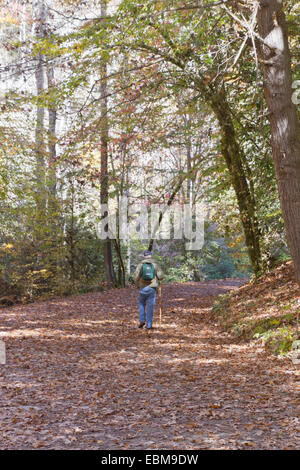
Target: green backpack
[(148, 272)]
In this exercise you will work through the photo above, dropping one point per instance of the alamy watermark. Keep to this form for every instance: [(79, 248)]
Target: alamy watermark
[(145, 221)]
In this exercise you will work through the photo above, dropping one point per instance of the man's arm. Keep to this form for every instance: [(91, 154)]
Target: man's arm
[(159, 272)]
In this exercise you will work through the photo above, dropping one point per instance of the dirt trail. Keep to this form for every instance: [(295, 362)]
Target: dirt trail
[(80, 375)]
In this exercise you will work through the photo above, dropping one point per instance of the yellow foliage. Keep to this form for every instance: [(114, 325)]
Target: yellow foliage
[(6, 247), (8, 19)]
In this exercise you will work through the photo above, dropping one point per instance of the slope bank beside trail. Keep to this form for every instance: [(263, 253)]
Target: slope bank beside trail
[(267, 310)]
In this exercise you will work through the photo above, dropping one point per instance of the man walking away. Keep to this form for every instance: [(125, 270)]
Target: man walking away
[(147, 276)]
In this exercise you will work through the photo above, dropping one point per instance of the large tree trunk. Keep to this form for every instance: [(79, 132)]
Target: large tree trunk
[(107, 245), (285, 132), (233, 156)]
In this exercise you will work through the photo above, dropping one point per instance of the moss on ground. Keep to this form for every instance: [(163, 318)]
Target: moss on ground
[(267, 310)]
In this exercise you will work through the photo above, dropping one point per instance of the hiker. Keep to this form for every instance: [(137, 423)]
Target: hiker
[(147, 277)]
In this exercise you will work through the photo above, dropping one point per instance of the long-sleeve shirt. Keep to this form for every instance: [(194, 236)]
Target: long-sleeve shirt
[(139, 282)]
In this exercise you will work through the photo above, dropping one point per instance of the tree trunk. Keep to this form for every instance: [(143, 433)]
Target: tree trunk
[(52, 117), (107, 245), (188, 146), (232, 154), (52, 207), (121, 267), (285, 135), (169, 203), (39, 11)]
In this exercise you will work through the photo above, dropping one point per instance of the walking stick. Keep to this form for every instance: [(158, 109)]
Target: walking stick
[(160, 311)]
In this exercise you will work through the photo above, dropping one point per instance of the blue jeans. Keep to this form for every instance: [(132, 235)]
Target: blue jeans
[(147, 296)]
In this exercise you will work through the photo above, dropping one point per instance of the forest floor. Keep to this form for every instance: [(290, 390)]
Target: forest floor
[(81, 375)]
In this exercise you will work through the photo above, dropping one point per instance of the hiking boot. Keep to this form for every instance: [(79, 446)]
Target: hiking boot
[(150, 328), (142, 323)]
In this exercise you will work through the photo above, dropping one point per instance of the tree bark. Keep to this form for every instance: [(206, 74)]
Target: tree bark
[(107, 245), (232, 154), (285, 132), (52, 117), (169, 203), (39, 12), (121, 267)]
